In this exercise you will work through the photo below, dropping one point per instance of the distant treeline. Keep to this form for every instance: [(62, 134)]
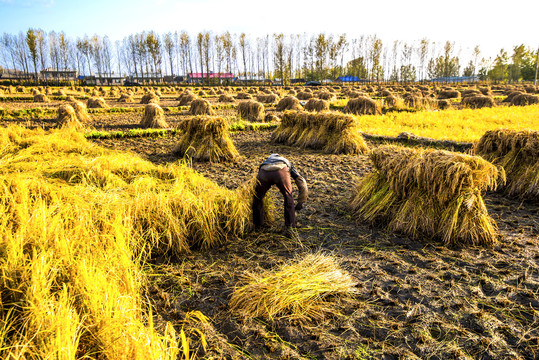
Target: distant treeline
[(276, 56)]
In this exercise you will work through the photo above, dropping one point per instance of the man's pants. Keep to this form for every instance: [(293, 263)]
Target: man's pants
[(266, 179)]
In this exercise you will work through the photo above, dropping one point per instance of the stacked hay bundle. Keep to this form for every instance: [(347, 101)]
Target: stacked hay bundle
[(60, 92), (36, 91), (96, 103), (251, 110), (288, 103), (363, 106), (267, 99), (511, 94), (206, 138), (524, 99), (304, 95), (201, 107), (150, 98), (470, 92), (244, 96), (429, 193), (81, 111), (326, 95), (67, 117), (70, 98), (317, 105), (332, 132), (477, 101), (393, 102), (307, 289), (485, 90), (154, 117), (114, 91), (271, 118), (186, 98), (415, 101), (41, 98), (225, 98), (126, 98), (518, 153), (444, 104), (449, 94)]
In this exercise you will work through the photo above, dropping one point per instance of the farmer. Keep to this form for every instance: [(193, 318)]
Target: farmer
[(276, 170)]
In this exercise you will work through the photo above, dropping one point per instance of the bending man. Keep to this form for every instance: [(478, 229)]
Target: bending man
[(276, 170)]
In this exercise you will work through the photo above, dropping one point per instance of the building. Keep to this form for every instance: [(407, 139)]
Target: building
[(104, 79), (252, 80), (456, 79), (213, 77), (59, 74), (350, 78)]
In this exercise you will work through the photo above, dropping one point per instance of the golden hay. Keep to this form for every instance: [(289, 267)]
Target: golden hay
[(60, 92), (251, 110), (470, 92), (393, 102), (518, 153), (307, 289), (267, 99), (35, 91), (330, 131), (225, 98), (444, 104), (317, 105), (201, 107), (81, 112), (126, 98), (206, 138), (449, 94), (96, 102), (154, 117), (363, 106), (288, 103), (511, 95), (478, 101), (244, 96), (304, 95), (186, 98), (71, 98), (150, 98), (415, 101), (429, 193), (524, 99), (271, 118), (325, 95), (41, 98), (67, 117)]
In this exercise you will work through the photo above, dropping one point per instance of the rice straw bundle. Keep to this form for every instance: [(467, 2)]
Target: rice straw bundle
[(307, 289), (315, 104), (251, 110), (201, 107), (362, 106), (429, 193), (332, 132), (518, 153), (288, 103), (206, 138), (154, 117), (96, 102), (67, 117)]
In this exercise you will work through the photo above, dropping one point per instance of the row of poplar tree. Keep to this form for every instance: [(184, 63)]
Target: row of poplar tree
[(276, 56)]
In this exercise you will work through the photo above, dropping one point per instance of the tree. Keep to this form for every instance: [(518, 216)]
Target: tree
[(423, 53), (169, 45), (375, 52), (279, 57), (499, 71), (31, 41), (153, 47), (515, 69), (244, 45)]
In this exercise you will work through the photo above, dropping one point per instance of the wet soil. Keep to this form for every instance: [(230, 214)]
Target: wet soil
[(416, 299)]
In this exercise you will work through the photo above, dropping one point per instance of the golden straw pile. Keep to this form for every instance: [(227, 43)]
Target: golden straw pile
[(429, 193), (78, 222), (518, 153), (206, 138), (330, 131), (306, 289)]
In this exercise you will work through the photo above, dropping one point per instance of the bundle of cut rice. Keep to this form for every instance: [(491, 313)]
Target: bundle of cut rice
[(363, 106), (201, 107), (206, 138), (330, 131), (518, 153), (154, 117), (429, 193), (251, 110)]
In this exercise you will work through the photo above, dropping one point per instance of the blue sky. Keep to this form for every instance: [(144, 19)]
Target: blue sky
[(489, 24)]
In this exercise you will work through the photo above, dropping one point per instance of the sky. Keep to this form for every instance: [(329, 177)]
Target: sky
[(492, 25)]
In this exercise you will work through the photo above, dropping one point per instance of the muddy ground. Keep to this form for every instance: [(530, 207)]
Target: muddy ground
[(416, 299)]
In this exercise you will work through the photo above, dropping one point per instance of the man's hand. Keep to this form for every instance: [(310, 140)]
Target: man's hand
[(299, 206)]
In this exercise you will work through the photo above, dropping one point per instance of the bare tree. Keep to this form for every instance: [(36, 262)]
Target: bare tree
[(169, 44), (244, 45)]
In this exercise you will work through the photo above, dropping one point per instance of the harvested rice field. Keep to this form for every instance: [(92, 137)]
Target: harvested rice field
[(162, 251)]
